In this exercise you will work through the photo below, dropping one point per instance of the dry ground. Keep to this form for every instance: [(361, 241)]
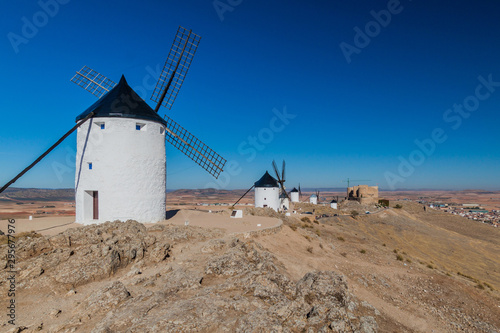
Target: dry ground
[(421, 271)]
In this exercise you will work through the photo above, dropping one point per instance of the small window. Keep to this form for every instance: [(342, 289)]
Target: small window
[(162, 130), (264, 198), (90, 165), (103, 126), (100, 124), (140, 127)]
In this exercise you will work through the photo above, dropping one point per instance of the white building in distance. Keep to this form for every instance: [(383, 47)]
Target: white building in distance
[(294, 195), (313, 199), (267, 192), (333, 204), (120, 160)]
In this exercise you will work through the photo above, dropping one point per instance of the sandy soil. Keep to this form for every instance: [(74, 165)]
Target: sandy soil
[(56, 224), (221, 220)]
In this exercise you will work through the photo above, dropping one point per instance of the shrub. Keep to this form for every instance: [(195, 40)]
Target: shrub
[(293, 227), (395, 250), (310, 249), (354, 213), (340, 238), (320, 245), (399, 257), (307, 237), (398, 206), (305, 219), (316, 221), (362, 251), (430, 266), (384, 244), (317, 232)]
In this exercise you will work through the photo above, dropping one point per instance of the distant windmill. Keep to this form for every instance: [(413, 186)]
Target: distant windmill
[(334, 202), (269, 191), (284, 198), (294, 195), (123, 175), (314, 199)]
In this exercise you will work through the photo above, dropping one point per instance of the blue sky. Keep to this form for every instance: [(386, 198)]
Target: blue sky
[(356, 116)]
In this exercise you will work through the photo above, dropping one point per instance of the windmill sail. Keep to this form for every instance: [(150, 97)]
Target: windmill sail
[(177, 135), (194, 148), (176, 67), (281, 179), (90, 80)]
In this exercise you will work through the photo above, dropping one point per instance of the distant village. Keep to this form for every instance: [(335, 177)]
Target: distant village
[(471, 211)]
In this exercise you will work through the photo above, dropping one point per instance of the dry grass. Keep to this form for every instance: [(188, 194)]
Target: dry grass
[(434, 237)]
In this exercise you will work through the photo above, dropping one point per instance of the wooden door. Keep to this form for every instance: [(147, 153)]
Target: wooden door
[(96, 205)]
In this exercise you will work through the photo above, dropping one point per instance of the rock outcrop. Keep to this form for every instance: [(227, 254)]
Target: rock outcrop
[(122, 277)]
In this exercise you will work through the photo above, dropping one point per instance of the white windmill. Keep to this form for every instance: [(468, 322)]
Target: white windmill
[(267, 192), (121, 163), (270, 192), (313, 199), (294, 195), (334, 203)]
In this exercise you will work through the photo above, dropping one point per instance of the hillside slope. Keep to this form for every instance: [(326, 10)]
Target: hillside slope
[(395, 271)]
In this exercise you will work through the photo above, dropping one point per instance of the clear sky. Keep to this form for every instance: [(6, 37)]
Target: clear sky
[(336, 88)]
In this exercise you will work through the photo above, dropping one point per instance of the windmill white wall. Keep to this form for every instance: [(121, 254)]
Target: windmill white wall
[(267, 197), (313, 199), (333, 205), (127, 170), (284, 203), (294, 196)]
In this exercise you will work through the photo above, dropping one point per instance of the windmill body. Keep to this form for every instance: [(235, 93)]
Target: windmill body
[(294, 195), (313, 199), (284, 202), (267, 192), (120, 160), (333, 204)]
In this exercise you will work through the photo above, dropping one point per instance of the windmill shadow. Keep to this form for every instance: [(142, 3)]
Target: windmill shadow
[(171, 213)]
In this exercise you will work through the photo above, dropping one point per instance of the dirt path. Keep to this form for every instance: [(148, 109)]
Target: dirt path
[(56, 224)]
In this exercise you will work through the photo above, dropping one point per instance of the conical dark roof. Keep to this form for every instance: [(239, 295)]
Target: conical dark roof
[(266, 181), (122, 101), (294, 190)]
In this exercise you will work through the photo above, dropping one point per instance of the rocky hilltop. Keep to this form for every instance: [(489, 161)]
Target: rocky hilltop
[(338, 274), (122, 277)]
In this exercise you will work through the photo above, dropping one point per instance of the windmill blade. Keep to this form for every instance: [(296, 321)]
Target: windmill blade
[(283, 172), (176, 67), (276, 171), (244, 195), (46, 152), (284, 191), (193, 148), (94, 82)]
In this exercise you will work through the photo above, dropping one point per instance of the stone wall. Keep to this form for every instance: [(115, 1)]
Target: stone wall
[(363, 193)]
